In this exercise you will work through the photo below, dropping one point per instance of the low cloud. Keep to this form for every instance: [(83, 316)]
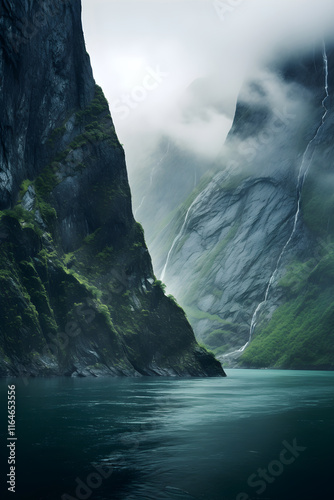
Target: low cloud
[(206, 56)]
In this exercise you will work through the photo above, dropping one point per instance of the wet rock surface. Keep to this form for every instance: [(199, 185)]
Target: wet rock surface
[(78, 295)]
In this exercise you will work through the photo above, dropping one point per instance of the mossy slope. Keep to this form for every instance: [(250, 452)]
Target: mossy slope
[(78, 295)]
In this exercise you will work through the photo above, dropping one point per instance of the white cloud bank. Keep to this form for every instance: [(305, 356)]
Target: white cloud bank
[(175, 67)]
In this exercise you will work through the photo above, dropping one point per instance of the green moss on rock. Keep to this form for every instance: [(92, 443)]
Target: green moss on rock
[(300, 334)]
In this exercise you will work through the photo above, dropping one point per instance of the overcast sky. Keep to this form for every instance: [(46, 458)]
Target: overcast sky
[(175, 67)]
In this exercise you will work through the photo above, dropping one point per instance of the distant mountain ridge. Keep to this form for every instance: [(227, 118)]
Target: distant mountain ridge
[(231, 254)]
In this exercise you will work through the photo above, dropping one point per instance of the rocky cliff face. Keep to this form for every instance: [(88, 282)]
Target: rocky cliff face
[(78, 295), (237, 255)]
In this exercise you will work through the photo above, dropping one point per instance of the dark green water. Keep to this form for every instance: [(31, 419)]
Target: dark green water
[(160, 438)]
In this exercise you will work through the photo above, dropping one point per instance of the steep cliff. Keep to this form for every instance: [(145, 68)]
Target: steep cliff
[(77, 291), (250, 253)]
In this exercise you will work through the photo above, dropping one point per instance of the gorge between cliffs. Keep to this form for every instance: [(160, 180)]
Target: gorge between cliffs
[(166, 250)]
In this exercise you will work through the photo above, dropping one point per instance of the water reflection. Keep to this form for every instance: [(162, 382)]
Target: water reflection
[(174, 438)]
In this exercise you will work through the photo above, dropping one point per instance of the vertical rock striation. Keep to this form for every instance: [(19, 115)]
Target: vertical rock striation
[(77, 291), (225, 243)]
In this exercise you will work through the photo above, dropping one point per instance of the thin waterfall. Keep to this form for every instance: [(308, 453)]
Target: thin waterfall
[(151, 179), (176, 239), (303, 171), (178, 236)]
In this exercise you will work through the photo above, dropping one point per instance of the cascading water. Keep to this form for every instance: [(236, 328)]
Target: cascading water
[(176, 239), (151, 179), (303, 171)]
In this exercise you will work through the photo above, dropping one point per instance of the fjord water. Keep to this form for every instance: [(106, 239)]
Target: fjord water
[(170, 438)]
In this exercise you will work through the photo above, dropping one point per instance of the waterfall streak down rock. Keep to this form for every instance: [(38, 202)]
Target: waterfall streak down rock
[(303, 171)]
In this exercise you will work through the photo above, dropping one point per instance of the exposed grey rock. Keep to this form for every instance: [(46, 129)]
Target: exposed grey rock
[(222, 248), (78, 295), (45, 73), (29, 199)]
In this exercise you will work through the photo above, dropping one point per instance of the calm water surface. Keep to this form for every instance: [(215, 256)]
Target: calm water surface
[(162, 438)]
